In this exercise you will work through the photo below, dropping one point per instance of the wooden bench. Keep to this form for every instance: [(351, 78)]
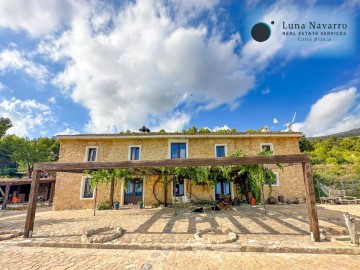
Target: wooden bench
[(343, 199), (339, 197)]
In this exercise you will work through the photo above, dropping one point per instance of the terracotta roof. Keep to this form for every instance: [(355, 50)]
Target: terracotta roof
[(180, 134)]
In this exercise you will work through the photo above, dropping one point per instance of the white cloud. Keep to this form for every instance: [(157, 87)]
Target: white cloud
[(176, 122), (33, 16), (275, 121), (334, 112), (67, 131), (146, 64), (27, 116), (266, 91), (14, 60), (135, 77), (251, 3), (52, 100), (218, 127)]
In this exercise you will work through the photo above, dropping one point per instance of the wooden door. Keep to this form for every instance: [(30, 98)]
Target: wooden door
[(133, 193)]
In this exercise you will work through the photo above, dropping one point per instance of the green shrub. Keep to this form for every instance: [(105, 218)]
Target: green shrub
[(105, 205)]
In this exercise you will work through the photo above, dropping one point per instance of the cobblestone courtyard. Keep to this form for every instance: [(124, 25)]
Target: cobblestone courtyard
[(165, 241)]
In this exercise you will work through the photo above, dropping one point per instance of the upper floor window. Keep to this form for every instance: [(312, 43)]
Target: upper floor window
[(86, 191), (91, 153), (134, 152), (220, 150), (266, 147), (178, 150)]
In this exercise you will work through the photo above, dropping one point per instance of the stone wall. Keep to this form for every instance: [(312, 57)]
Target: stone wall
[(68, 185)]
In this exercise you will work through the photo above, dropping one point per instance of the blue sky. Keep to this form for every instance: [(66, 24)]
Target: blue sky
[(71, 67)]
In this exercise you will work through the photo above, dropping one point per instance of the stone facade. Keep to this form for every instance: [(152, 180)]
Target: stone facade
[(69, 186)]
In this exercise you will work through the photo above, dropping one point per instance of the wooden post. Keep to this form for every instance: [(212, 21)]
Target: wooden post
[(111, 199), (6, 196), (307, 197), (309, 187), (52, 193), (95, 190), (30, 217)]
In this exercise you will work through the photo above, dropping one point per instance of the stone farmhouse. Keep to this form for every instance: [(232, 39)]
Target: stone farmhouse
[(73, 191)]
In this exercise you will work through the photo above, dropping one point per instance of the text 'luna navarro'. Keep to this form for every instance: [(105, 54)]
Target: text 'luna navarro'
[(314, 25)]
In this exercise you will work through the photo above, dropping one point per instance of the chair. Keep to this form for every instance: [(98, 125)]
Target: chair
[(15, 199)]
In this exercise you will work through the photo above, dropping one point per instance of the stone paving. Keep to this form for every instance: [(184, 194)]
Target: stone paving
[(159, 240), (283, 229), (20, 258)]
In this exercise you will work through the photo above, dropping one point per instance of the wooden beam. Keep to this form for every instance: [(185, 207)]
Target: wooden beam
[(30, 217), (6, 197), (2, 192), (169, 163), (52, 192), (21, 181), (309, 187)]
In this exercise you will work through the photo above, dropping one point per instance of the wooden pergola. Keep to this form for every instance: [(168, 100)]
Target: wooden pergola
[(80, 167)]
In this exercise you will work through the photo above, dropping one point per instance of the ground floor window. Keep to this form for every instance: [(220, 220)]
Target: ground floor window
[(275, 182), (178, 186), (222, 190), (86, 191)]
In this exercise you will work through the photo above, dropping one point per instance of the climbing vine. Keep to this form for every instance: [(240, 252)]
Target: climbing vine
[(258, 174)]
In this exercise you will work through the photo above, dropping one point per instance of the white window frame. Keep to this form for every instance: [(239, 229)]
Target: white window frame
[(267, 144), (172, 189), (133, 146), (178, 141), (221, 145), (277, 183), (82, 186), (87, 153)]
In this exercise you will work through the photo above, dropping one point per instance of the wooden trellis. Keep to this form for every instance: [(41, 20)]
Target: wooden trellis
[(149, 165)]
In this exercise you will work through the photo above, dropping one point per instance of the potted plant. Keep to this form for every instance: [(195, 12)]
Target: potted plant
[(141, 204), (116, 205)]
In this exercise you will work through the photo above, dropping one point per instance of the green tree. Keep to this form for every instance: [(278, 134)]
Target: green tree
[(5, 153), (193, 129), (27, 152), (305, 145), (5, 124), (204, 130)]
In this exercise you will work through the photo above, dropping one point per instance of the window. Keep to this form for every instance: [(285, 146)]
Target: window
[(222, 187), (91, 153), (130, 189), (138, 187), (178, 186), (86, 192), (178, 150), (266, 147), (134, 152), (220, 150), (275, 183)]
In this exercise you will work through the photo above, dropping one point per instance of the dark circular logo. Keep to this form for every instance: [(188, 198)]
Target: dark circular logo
[(261, 32)]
